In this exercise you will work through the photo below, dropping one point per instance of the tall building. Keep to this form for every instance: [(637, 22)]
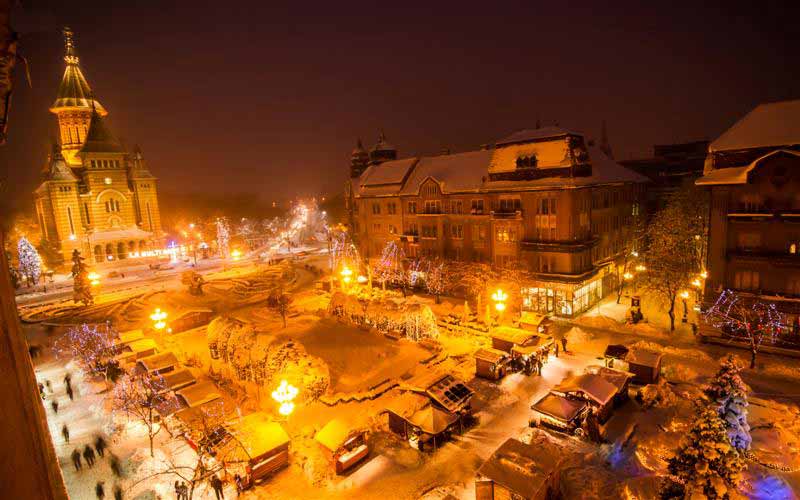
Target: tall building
[(96, 196), (753, 173), (540, 197)]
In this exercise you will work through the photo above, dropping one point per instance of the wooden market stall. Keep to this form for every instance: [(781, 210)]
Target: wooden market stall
[(592, 388), (645, 365), (157, 364), (260, 444), (520, 471), (343, 445), (178, 379), (506, 338), (491, 363), (204, 424), (199, 393), (190, 318), (126, 338), (559, 412), (136, 350), (534, 322)]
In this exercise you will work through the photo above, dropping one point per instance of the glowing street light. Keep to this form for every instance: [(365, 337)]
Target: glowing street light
[(236, 254), (704, 275), (158, 318), (361, 279), (684, 295), (500, 297), (641, 268), (94, 278), (627, 276), (285, 394), (697, 283), (347, 274)]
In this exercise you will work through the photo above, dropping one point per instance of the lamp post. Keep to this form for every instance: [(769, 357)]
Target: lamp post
[(347, 276), (684, 296), (94, 278), (158, 318), (499, 297), (284, 395)]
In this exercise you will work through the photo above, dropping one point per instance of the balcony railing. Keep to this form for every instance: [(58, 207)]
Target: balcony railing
[(507, 214)]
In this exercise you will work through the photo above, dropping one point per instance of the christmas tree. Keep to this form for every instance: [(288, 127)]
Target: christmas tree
[(706, 465), (29, 264), (223, 237), (82, 288), (728, 392)]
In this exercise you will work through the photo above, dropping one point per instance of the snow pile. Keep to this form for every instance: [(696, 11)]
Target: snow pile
[(577, 335), (659, 395)]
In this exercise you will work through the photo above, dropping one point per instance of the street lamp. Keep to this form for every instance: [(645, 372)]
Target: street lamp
[(284, 395), (158, 318), (499, 297), (236, 254), (94, 278), (627, 276), (685, 295), (347, 274), (641, 268)]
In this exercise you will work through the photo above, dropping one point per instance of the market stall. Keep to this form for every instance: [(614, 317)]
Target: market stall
[(491, 363), (559, 412), (343, 445), (260, 445)]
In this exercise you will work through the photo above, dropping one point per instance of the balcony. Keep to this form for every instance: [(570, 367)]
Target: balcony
[(760, 254), (507, 214), (431, 212), (557, 246)]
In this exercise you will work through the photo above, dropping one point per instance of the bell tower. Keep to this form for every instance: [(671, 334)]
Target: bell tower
[(73, 105)]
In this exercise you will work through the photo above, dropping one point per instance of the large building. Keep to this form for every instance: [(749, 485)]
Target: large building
[(96, 196), (542, 197), (753, 173)]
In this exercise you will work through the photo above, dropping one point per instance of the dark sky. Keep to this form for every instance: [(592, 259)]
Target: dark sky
[(249, 97)]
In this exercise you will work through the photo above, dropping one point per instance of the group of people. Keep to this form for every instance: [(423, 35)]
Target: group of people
[(89, 453), (182, 489)]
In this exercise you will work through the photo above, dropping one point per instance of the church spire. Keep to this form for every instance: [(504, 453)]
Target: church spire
[(74, 92)]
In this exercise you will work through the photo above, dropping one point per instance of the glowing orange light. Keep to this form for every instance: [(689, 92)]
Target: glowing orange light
[(500, 297), (236, 254), (158, 318), (94, 278), (285, 394)]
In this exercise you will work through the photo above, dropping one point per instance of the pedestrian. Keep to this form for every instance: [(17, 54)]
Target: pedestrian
[(556, 350), (113, 461), (41, 390), (76, 459), (216, 483), (100, 445), (117, 492), (185, 490), (69, 393), (564, 343), (178, 490), (54, 404), (65, 433), (99, 491), (88, 455), (49, 386), (539, 365), (237, 479), (67, 379)]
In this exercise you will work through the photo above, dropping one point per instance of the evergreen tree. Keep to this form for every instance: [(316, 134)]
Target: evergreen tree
[(728, 392), (29, 263), (82, 288), (706, 465)]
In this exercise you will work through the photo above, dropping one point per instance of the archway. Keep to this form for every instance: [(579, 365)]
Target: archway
[(98, 253), (109, 251), (132, 246), (121, 251)]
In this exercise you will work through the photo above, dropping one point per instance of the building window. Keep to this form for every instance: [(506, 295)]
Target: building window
[(376, 209), (635, 209), (749, 241), (86, 210), (430, 189), (476, 207), (392, 229), (527, 161), (457, 231), (412, 207), (376, 227), (479, 234), (510, 205), (793, 248), (456, 207), (430, 231), (412, 229), (433, 207), (71, 223), (747, 280), (107, 180), (391, 208), (506, 234)]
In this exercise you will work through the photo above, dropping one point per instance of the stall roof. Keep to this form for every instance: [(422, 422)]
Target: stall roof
[(129, 336), (199, 393), (559, 407), (333, 435), (617, 378), (522, 468), (158, 362), (491, 355), (259, 434), (432, 420), (594, 386), (407, 404), (178, 379), (217, 410), (444, 389), (532, 318), (514, 335), (644, 357), (143, 345)]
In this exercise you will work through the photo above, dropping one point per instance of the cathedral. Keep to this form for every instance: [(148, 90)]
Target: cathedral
[(96, 196)]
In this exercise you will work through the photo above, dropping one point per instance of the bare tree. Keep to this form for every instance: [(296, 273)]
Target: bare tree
[(89, 344), (280, 301), (474, 279), (751, 320), (437, 280), (141, 397)]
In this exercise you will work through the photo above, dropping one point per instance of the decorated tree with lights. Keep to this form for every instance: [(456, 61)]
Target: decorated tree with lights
[(30, 266), (706, 465), (390, 266), (750, 320), (90, 345), (81, 285), (142, 398), (223, 238), (728, 393), (436, 278), (474, 279)]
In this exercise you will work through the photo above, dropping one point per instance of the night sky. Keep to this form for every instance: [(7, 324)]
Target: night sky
[(236, 97)]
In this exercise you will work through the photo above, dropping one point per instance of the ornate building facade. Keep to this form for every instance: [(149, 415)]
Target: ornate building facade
[(96, 196), (542, 197)]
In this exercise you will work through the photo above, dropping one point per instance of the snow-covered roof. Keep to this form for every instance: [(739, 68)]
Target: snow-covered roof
[(179, 379), (535, 134), (259, 434), (595, 387), (513, 335), (158, 362), (333, 434), (617, 378), (490, 355), (389, 172), (738, 175), (644, 357), (772, 124), (559, 407), (432, 420), (407, 404), (522, 468), (454, 172), (199, 393)]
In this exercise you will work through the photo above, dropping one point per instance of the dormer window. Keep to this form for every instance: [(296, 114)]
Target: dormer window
[(526, 161)]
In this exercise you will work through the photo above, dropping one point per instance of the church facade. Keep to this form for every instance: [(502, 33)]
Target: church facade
[(96, 196)]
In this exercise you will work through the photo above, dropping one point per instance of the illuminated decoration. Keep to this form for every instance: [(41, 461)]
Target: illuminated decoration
[(158, 318), (30, 265), (500, 297), (704, 275), (635, 253), (361, 279), (107, 180), (88, 344), (347, 274), (641, 267), (696, 282), (627, 275), (94, 279), (284, 395), (72, 237), (390, 266), (684, 295), (236, 254)]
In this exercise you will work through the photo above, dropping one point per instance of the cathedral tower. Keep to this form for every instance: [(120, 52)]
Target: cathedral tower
[(73, 104)]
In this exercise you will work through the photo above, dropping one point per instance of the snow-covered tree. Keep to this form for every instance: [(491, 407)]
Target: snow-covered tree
[(474, 279), (90, 345), (729, 393), (390, 266), (706, 465), (673, 238), (223, 238), (753, 321), (140, 397), (436, 278), (30, 265), (81, 286)]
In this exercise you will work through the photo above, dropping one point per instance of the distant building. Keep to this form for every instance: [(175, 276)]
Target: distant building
[(753, 173), (541, 197), (96, 196), (671, 167)]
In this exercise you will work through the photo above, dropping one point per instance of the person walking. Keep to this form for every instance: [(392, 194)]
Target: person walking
[(49, 386), (539, 365), (76, 459), (88, 455), (237, 480), (564, 343), (185, 490), (556, 349), (99, 490), (68, 379), (65, 433), (117, 492), (216, 483), (41, 390), (54, 405), (100, 445), (178, 490), (69, 393), (113, 462)]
